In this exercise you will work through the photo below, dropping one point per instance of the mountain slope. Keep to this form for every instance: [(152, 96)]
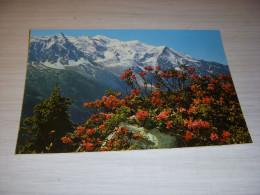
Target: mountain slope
[(55, 51), (41, 81), (117, 56), (84, 67)]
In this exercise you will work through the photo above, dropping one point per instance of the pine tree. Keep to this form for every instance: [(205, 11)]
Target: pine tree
[(50, 122)]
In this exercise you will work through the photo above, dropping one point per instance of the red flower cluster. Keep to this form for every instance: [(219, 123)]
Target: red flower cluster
[(188, 136), (102, 127), (126, 74), (68, 139), (157, 86), (98, 117), (141, 115), (142, 74), (206, 100), (210, 86), (214, 136), (191, 69), (133, 77), (112, 102), (91, 131), (135, 92), (108, 116), (96, 104), (183, 104), (196, 124), (80, 130), (181, 109), (168, 124), (196, 101), (163, 115), (192, 109), (149, 68), (121, 130), (166, 75), (158, 68), (226, 134), (227, 87), (87, 145), (155, 99)]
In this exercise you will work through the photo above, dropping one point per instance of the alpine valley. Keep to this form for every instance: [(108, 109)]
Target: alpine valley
[(84, 67)]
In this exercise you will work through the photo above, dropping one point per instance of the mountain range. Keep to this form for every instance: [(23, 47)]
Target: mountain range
[(84, 67)]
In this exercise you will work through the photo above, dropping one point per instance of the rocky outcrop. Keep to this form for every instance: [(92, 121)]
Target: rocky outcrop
[(151, 138)]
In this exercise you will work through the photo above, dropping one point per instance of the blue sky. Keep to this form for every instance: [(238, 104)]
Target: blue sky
[(200, 44)]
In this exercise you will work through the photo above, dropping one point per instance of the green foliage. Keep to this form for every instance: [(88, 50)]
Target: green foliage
[(50, 122)]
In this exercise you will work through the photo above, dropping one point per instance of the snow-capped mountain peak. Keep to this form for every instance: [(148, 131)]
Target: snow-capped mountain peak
[(112, 54)]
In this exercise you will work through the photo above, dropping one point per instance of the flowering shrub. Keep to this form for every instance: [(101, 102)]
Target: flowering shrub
[(197, 110)]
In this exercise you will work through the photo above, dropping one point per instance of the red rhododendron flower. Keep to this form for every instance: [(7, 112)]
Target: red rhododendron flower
[(158, 68), (192, 109), (135, 92), (80, 130), (125, 130), (188, 136), (226, 134), (108, 116), (103, 149), (102, 127), (142, 74), (91, 131), (226, 87), (163, 115), (210, 86), (201, 93), (133, 77), (169, 124), (112, 102), (193, 88), (191, 69), (228, 76), (221, 99), (141, 115), (157, 86), (182, 109), (180, 74), (157, 101), (195, 76), (220, 76), (126, 74), (149, 68), (206, 100), (196, 101), (214, 80), (165, 74), (196, 124), (118, 130), (67, 139), (214, 136), (156, 93), (88, 146)]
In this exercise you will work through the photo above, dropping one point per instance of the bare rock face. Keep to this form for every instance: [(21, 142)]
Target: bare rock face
[(151, 138)]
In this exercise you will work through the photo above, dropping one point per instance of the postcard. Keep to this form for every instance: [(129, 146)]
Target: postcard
[(114, 90)]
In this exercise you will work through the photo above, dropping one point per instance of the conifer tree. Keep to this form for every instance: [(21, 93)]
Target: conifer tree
[(51, 121)]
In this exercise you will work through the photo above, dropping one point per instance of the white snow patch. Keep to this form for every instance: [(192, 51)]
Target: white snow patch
[(58, 64)]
